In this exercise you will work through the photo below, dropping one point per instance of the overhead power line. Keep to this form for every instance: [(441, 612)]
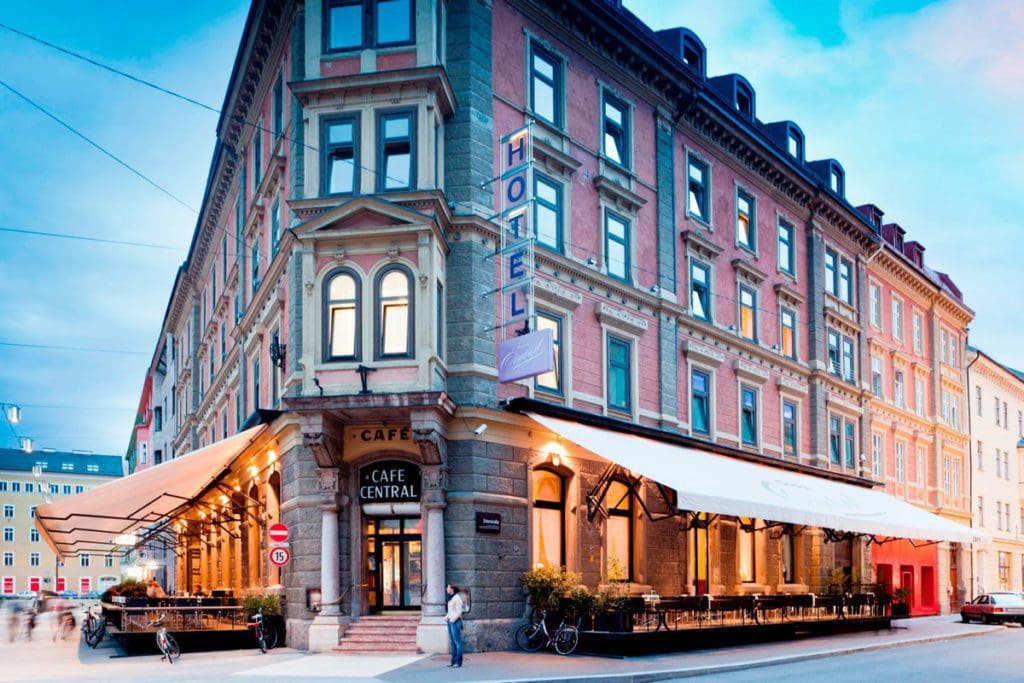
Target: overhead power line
[(96, 145), (72, 348), (87, 238)]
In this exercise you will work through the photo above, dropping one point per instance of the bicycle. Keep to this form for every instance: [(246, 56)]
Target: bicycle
[(265, 633), (64, 624), (535, 635), (93, 628), (165, 641)]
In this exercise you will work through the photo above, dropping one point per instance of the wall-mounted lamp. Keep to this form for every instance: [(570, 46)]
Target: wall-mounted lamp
[(591, 261), (271, 455), (253, 471), (26, 445), (481, 428), (13, 414), (655, 289), (556, 460), (277, 352)]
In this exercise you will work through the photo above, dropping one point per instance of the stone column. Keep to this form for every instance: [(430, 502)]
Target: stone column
[(329, 625), (432, 633)]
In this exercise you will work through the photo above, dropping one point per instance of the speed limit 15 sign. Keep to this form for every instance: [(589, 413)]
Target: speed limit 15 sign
[(279, 556)]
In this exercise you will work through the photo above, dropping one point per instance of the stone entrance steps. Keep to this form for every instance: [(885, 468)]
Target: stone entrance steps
[(381, 634)]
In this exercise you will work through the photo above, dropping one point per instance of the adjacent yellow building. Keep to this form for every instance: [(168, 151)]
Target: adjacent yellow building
[(28, 480)]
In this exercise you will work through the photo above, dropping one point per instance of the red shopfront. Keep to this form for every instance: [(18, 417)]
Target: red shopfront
[(899, 564)]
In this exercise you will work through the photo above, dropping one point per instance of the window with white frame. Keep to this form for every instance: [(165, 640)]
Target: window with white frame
[(8, 559), (619, 374), (340, 151), (748, 313), (877, 441), (700, 402), (551, 381), (850, 443), (900, 462), (916, 331), (748, 415), (897, 386), (394, 319), (33, 535), (341, 310), (396, 151), (919, 396), (876, 377), (977, 400), (83, 560), (849, 361), (8, 534), (548, 212), (875, 303), (980, 456), (787, 333), (8, 511), (835, 426), (789, 428), (698, 204), (616, 245), (997, 410), (920, 466), (946, 480), (787, 251), (546, 90), (33, 559), (700, 290), (845, 286), (942, 345), (616, 130), (897, 319)]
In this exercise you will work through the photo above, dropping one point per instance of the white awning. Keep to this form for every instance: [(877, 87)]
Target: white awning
[(94, 520), (707, 482)]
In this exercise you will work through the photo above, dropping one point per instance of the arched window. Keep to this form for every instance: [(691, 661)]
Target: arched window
[(394, 324), (548, 519), (341, 316), (619, 532)]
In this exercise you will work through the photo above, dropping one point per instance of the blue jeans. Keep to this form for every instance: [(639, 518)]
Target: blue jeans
[(455, 639)]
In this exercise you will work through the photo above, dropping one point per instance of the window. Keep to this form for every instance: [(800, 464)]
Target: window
[(1004, 570), (875, 303), (997, 410), (8, 511), (981, 457), (897, 384), (954, 411), (919, 396), (33, 559), (8, 559), (32, 508), (548, 207), (748, 550), (546, 85), (900, 462), (834, 427), (619, 532), (849, 369), (876, 376), (158, 419), (223, 342), (981, 510), (835, 364), (795, 145), (616, 245), (876, 455), (787, 321), (746, 221), (700, 290), (837, 276), (394, 314), (850, 444), (1006, 422), (279, 106), (340, 172), (748, 415), (615, 117), (845, 290), (255, 265), (835, 181), (920, 466), (30, 487), (257, 155), (396, 167), (341, 310), (256, 384), (697, 196), (748, 313), (548, 519), (108, 560), (915, 323), (897, 319), (275, 226), (830, 271), (787, 257), (789, 428), (15, 487), (977, 400), (700, 402), (8, 534), (354, 24), (788, 552), (551, 381), (67, 489), (618, 374)]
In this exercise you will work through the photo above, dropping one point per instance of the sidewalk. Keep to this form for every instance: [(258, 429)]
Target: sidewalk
[(523, 668)]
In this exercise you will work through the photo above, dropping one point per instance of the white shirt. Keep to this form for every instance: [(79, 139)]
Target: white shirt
[(454, 609)]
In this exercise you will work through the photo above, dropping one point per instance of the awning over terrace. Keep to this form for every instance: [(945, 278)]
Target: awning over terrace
[(716, 484), (105, 518)]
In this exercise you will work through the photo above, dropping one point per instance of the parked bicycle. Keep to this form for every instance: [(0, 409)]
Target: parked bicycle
[(535, 635), (64, 624), (165, 641), (264, 632), (94, 627)]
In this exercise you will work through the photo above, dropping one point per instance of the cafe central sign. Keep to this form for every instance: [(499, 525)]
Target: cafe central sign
[(389, 481), (364, 439)]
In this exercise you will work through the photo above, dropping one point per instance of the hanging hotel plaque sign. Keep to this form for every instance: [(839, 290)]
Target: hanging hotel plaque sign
[(389, 481)]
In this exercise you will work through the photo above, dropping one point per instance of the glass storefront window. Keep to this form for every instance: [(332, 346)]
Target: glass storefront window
[(548, 519), (619, 532)]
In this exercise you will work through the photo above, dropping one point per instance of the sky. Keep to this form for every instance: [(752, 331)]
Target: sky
[(919, 101)]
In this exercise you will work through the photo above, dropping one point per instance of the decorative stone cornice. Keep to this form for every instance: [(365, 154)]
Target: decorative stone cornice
[(748, 271), (749, 371), (553, 292), (788, 295), (700, 245), (614, 192), (702, 353), (618, 318), (555, 159), (791, 386)]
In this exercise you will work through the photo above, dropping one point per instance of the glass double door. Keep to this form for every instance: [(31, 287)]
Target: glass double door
[(394, 555)]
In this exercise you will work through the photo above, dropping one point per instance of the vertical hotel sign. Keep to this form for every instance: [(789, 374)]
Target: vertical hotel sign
[(521, 353)]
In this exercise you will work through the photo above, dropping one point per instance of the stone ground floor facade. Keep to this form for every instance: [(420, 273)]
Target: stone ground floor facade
[(389, 502)]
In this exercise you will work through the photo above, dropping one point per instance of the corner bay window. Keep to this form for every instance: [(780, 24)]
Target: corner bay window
[(355, 24), (341, 155), (396, 164), (394, 318), (548, 519), (341, 311)]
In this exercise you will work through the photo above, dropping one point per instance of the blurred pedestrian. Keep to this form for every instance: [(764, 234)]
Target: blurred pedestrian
[(454, 619)]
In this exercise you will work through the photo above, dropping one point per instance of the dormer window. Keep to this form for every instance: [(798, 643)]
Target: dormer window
[(795, 145), (744, 100), (693, 57), (899, 241), (835, 181)]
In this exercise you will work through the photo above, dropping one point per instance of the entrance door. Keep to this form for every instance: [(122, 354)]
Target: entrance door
[(394, 563)]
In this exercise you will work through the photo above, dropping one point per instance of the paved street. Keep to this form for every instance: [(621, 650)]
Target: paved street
[(921, 649)]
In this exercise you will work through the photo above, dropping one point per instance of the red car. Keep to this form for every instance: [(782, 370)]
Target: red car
[(994, 608)]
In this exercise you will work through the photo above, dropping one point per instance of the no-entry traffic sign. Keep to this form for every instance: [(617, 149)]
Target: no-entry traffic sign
[(279, 556), (278, 532)]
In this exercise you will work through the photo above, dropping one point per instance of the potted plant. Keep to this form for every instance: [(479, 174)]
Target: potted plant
[(546, 586), (270, 603), (581, 603), (901, 602)]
